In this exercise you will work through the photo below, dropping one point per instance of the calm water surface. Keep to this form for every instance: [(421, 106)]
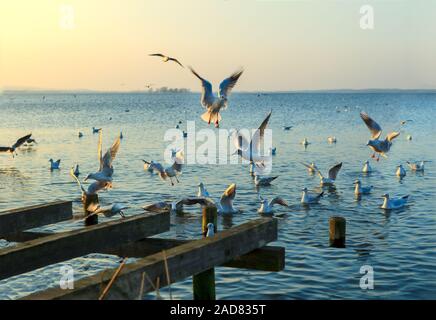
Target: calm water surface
[(400, 246)]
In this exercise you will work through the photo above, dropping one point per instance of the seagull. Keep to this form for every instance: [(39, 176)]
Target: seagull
[(307, 198), (80, 134), (54, 165), (273, 151), (395, 203), (76, 171), (212, 103), (185, 134), (202, 192), (403, 122), (359, 190), (251, 150), (409, 137), (252, 168), (148, 166), (333, 172), (17, 144), (225, 205), (366, 167), (170, 172), (106, 170), (312, 168), (166, 58), (305, 142), (177, 206), (93, 188), (94, 130), (332, 139), (378, 146), (121, 135), (417, 166), (29, 142), (263, 181), (287, 128), (400, 171), (107, 211), (210, 230), (267, 207)]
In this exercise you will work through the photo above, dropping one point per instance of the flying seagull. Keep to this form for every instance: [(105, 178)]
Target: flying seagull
[(169, 172), (263, 181), (166, 58), (212, 103), (107, 211), (333, 173), (17, 144), (378, 146)]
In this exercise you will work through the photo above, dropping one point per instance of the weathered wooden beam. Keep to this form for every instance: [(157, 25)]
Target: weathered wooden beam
[(17, 220), (183, 261), (59, 247), (26, 236)]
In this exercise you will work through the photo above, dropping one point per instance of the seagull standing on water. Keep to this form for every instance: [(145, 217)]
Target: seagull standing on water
[(401, 172), (312, 168), (212, 103), (366, 167), (359, 190), (76, 171), (333, 173), (417, 166), (166, 58), (395, 203), (267, 207), (263, 181), (307, 198), (202, 192), (17, 144), (54, 165), (94, 130), (378, 146)]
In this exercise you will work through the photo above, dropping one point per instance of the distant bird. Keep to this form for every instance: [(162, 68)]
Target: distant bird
[(305, 142), (106, 170), (267, 207), (80, 134), (332, 139), (333, 172), (287, 128), (210, 230), (212, 103), (273, 151), (176, 206), (148, 165), (263, 181), (409, 137), (95, 130), (395, 203), (121, 135), (378, 146), (30, 142), (185, 134), (403, 122), (308, 198), (76, 171), (359, 190), (166, 58), (202, 192), (149, 86), (400, 171), (366, 167), (107, 211), (17, 144), (417, 166), (312, 168), (177, 126), (170, 172), (54, 165)]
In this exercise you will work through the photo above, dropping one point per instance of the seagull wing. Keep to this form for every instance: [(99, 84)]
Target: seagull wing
[(391, 136), (176, 61), (21, 141), (227, 84), (110, 154), (278, 200), (157, 55), (333, 172), (5, 149), (260, 132), (99, 149), (207, 97), (372, 125), (76, 179), (240, 141)]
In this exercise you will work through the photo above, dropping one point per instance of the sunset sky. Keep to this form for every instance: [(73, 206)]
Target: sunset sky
[(282, 44)]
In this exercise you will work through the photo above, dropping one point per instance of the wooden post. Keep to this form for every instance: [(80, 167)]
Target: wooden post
[(88, 199), (337, 227), (204, 283)]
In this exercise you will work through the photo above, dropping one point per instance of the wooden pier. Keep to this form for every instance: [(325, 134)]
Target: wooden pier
[(159, 260)]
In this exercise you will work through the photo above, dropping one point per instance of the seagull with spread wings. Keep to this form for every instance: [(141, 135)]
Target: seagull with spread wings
[(378, 146), (169, 172), (267, 207), (212, 103), (333, 173), (166, 58), (18, 143)]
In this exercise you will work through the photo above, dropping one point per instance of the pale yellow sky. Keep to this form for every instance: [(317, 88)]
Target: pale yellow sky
[(283, 45)]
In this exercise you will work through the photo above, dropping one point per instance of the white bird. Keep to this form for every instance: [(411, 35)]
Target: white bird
[(332, 139), (212, 103), (308, 198), (359, 190), (54, 165), (417, 166), (409, 137), (267, 207), (166, 58), (18, 143), (106, 170), (401, 172), (263, 181), (333, 173), (366, 167), (202, 192), (395, 203), (225, 205), (251, 151), (210, 230), (305, 142), (312, 168), (170, 172), (378, 146), (93, 188), (107, 211), (177, 206)]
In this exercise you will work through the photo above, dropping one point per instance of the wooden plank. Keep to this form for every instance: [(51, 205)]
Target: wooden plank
[(16, 220), (268, 258), (59, 247), (183, 261), (26, 236)]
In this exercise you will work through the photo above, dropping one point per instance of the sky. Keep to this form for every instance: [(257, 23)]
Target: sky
[(282, 45)]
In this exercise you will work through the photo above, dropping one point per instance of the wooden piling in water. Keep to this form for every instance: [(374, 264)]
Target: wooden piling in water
[(204, 283), (337, 232), (90, 219)]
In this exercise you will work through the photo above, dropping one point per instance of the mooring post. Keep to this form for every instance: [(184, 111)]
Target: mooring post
[(204, 283), (87, 199), (337, 231)]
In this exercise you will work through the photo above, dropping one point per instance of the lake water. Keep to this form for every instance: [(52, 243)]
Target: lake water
[(400, 246)]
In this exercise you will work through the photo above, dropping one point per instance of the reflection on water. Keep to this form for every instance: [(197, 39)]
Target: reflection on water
[(399, 245)]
